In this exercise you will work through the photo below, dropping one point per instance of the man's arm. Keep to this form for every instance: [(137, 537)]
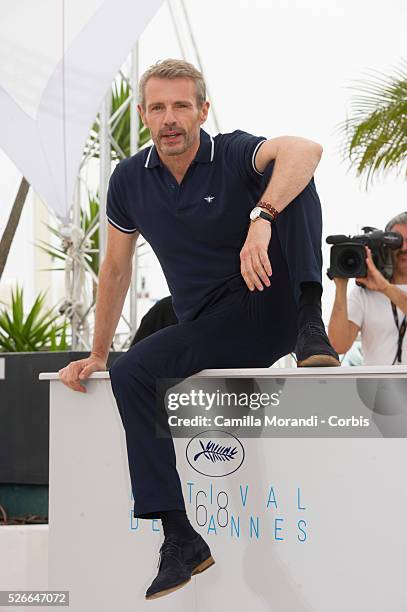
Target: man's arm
[(114, 281), (397, 296), (295, 162), (341, 332)]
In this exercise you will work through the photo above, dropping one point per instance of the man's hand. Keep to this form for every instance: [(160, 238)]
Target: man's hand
[(254, 261), (373, 280), (78, 370)]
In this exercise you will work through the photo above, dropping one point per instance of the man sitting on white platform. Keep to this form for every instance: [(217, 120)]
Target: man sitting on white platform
[(378, 309), (200, 202)]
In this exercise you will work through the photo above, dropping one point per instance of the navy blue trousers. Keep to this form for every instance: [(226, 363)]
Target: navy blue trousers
[(242, 329)]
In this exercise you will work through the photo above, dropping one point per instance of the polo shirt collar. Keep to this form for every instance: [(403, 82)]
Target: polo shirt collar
[(206, 149), (204, 154)]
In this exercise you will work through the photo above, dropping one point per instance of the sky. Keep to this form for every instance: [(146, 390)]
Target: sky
[(275, 68)]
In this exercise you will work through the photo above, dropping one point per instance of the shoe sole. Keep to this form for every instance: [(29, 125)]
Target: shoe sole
[(318, 360), (203, 566), (198, 570), (168, 591)]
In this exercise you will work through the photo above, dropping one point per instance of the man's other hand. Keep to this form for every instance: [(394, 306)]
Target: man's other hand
[(254, 261), (76, 371), (374, 279)]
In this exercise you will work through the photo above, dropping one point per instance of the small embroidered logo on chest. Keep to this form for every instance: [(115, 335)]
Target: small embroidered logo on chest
[(209, 199)]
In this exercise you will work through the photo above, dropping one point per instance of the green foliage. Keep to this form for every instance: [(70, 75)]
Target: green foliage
[(376, 132), (89, 221), (38, 331), (89, 224), (120, 129)]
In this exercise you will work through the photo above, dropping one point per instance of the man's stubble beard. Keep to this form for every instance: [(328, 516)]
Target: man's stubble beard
[(172, 153), (189, 142)]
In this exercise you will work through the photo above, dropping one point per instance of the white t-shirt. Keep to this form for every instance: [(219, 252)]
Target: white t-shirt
[(372, 312)]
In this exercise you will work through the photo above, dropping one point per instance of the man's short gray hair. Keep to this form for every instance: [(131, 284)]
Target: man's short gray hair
[(398, 219), (173, 69)]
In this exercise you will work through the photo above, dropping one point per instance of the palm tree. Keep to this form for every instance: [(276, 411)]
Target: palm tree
[(376, 132), (12, 223)]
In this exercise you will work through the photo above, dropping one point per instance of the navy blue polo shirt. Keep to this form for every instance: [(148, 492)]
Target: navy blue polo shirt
[(197, 228)]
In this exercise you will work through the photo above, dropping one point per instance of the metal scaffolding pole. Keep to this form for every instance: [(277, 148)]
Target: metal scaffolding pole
[(76, 216), (134, 145), (74, 305), (105, 169)]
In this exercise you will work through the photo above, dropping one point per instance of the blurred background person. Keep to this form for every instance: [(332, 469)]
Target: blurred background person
[(377, 309)]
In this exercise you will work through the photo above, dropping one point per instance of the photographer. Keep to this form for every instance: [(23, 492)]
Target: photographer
[(378, 309)]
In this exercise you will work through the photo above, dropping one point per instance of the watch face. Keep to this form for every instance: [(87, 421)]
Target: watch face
[(255, 213)]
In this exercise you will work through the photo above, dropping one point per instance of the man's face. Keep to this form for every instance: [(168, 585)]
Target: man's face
[(172, 114), (400, 255)]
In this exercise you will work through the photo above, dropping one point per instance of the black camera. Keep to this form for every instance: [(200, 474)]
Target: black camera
[(348, 253)]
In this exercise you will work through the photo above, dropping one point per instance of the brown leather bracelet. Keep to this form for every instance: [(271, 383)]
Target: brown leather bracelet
[(273, 212)]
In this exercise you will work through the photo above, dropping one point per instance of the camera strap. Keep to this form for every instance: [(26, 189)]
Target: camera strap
[(401, 330)]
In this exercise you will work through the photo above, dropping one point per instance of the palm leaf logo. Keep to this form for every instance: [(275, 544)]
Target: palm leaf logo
[(216, 452)]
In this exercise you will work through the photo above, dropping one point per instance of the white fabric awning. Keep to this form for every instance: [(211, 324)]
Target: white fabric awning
[(57, 60)]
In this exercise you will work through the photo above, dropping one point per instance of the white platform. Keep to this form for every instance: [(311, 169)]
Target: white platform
[(23, 559), (330, 515), (352, 372)]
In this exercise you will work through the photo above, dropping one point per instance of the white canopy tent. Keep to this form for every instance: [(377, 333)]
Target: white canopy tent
[(57, 60)]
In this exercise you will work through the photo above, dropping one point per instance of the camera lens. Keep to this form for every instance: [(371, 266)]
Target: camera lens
[(350, 261)]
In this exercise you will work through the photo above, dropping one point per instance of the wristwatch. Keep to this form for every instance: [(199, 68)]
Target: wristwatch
[(257, 213)]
